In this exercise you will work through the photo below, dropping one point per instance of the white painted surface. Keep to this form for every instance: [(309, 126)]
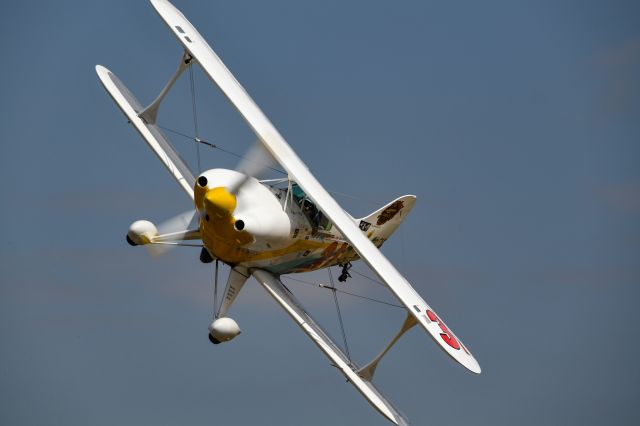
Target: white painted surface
[(298, 171), (286, 299), (236, 280), (149, 132)]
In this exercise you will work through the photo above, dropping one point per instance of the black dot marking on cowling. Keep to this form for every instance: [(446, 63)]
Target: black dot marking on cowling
[(239, 225), (202, 181)]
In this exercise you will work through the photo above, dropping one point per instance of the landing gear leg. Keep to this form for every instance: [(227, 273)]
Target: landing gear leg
[(215, 300), (222, 328), (345, 272)]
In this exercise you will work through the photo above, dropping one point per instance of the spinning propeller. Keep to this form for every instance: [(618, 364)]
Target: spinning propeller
[(254, 163), (162, 238)]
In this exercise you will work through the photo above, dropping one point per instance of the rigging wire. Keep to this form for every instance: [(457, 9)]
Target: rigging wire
[(239, 156), (215, 293), (335, 299), (192, 86), (215, 146), (345, 292), (368, 277), (198, 141)]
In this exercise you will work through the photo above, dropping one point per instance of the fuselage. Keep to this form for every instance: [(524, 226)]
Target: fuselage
[(263, 226)]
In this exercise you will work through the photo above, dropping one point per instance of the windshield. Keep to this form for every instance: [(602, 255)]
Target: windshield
[(308, 207)]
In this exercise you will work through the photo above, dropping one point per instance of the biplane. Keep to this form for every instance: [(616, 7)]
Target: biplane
[(264, 230)]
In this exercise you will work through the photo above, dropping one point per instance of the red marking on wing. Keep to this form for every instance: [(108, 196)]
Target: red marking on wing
[(446, 335)]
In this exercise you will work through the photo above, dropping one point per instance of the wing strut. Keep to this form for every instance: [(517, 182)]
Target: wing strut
[(150, 113), (368, 370), (151, 133)]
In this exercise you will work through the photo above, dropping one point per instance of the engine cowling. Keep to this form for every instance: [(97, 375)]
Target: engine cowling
[(269, 225), (223, 330), (141, 232), (253, 217)]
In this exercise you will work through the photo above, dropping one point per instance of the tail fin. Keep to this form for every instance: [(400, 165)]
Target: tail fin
[(379, 225)]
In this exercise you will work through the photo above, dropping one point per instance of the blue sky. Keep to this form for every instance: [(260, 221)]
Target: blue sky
[(514, 123)]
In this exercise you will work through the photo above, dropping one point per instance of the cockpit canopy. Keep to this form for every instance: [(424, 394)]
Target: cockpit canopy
[(317, 219)]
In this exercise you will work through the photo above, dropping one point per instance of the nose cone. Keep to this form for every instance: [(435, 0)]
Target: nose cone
[(219, 202), (219, 205)]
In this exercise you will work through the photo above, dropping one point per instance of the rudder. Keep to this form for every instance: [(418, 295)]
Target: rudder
[(379, 225)]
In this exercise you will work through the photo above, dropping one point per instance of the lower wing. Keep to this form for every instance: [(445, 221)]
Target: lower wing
[(151, 133), (287, 300)]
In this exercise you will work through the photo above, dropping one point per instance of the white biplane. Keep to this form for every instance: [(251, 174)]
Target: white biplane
[(264, 231)]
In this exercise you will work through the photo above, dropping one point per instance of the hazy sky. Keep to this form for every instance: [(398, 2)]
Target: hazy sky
[(516, 124)]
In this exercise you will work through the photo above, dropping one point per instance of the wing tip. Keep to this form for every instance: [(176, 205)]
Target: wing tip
[(161, 4), (472, 365), (105, 75), (100, 69)]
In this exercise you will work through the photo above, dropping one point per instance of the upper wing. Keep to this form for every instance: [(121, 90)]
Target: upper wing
[(282, 152), (150, 132), (286, 299)]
